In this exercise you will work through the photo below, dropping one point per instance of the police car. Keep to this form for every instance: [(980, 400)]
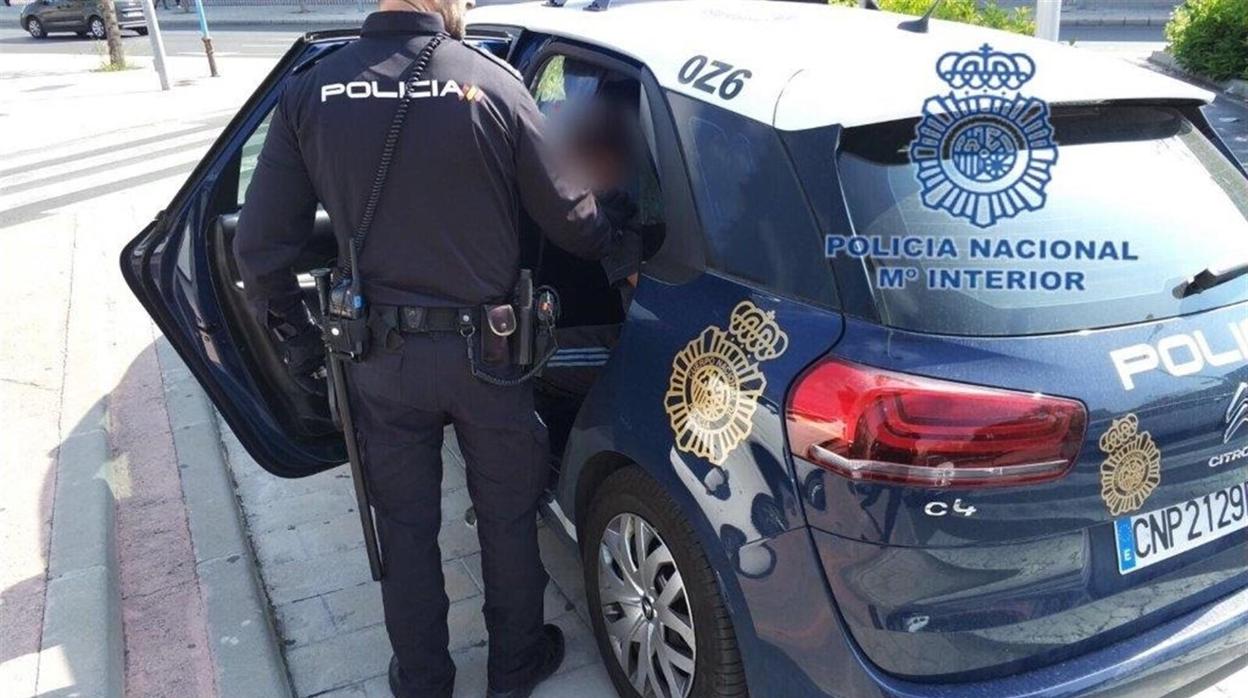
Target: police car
[(937, 384)]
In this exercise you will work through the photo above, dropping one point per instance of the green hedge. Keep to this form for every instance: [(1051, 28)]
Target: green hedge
[(1210, 37), (985, 14)]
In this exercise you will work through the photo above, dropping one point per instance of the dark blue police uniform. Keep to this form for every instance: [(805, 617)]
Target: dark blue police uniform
[(445, 235)]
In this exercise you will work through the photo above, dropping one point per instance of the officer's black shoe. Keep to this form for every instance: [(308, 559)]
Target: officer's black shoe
[(550, 663)]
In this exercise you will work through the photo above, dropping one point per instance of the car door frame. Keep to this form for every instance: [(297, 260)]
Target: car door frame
[(196, 329)]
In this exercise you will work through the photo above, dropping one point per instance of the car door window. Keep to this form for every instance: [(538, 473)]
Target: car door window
[(585, 102), (250, 156), (757, 222)]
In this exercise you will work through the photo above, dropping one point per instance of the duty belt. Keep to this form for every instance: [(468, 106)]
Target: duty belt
[(414, 319)]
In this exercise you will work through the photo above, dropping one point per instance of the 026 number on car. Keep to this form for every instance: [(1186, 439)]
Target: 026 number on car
[(702, 72)]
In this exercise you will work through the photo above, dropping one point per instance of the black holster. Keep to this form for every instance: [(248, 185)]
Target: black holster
[(516, 336)]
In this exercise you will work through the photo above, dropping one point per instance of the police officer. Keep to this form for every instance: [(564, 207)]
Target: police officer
[(443, 242)]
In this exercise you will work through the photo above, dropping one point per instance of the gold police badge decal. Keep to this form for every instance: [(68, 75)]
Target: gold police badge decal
[(715, 382), (1132, 469)]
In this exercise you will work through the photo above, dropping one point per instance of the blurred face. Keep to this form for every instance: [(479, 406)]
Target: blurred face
[(600, 169)]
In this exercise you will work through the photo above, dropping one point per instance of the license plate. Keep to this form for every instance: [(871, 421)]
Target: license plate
[(1146, 539)]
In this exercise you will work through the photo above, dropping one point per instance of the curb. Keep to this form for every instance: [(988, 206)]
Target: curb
[(245, 655), (83, 650), (1234, 88)]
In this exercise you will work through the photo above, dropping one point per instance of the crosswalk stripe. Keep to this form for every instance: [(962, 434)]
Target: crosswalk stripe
[(55, 175), (28, 157), (96, 179)]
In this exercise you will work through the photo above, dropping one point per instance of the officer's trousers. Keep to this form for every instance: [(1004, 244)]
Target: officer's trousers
[(401, 400)]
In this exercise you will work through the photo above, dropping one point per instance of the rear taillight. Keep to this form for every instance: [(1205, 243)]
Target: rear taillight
[(868, 424)]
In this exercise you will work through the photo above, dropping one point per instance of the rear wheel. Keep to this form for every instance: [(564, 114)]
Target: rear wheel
[(95, 26), (660, 621), (35, 28)]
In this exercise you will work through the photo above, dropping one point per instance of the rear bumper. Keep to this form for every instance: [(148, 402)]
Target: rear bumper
[(1152, 664), (1153, 661)]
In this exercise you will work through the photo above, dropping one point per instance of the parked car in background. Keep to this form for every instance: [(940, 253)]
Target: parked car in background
[(82, 17)]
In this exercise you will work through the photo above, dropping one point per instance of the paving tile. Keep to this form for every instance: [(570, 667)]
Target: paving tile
[(454, 504), (453, 475), (323, 574), (331, 534), (471, 675), (582, 683), (277, 547), (353, 691), (258, 487), (466, 623), (457, 539), (564, 568), (355, 607), (303, 622), (582, 650), (377, 687), (473, 564), (339, 661), (557, 605), (292, 511)]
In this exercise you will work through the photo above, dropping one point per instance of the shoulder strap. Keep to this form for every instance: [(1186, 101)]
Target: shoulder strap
[(387, 155)]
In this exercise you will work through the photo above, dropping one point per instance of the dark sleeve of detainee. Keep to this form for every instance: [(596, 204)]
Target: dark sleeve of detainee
[(276, 223), (566, 213)]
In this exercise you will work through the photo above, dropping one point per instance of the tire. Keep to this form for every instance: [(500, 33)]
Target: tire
[(141, 31), (651, 612), (35, 28), (96, 28)]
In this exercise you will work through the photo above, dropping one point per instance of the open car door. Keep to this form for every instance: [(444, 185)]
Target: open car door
[(182, 270)]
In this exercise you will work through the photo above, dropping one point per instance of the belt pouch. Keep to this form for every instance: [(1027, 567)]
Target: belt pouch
[(500, 324), (348, 337)]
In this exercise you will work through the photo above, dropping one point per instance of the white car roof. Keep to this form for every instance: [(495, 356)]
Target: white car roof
[(815, 65)]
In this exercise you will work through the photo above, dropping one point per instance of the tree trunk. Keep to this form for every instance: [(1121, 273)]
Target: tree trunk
[(116, 55)]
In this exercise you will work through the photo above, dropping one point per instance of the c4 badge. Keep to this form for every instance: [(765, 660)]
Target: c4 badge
[(716, 382), (1132, 469)]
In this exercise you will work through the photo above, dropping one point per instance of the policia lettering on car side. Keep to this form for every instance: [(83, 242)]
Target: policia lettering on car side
[(428, 308)]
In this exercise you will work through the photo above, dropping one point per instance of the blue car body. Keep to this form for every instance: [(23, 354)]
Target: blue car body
[(837, 587)]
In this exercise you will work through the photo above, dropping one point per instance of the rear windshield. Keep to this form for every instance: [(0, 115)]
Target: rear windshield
[(1139, 189)]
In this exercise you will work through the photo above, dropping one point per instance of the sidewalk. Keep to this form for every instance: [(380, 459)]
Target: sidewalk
[(326, 16), (109, 583), (307, 540)]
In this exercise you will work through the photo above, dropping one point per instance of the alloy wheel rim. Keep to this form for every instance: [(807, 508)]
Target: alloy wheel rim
[(97, 29), (645, 609), (35, 28)]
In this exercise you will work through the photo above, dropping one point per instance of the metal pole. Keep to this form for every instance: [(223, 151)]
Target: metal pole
[(158, 43), (203, 32), (1048, 19)]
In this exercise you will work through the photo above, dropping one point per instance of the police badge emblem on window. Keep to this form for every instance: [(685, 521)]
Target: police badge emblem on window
[(983, 151)]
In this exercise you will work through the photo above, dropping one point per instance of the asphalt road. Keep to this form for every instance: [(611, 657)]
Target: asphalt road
[(264, 41)]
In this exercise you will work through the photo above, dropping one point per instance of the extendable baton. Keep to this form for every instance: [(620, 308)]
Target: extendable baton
[(341, 407)]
